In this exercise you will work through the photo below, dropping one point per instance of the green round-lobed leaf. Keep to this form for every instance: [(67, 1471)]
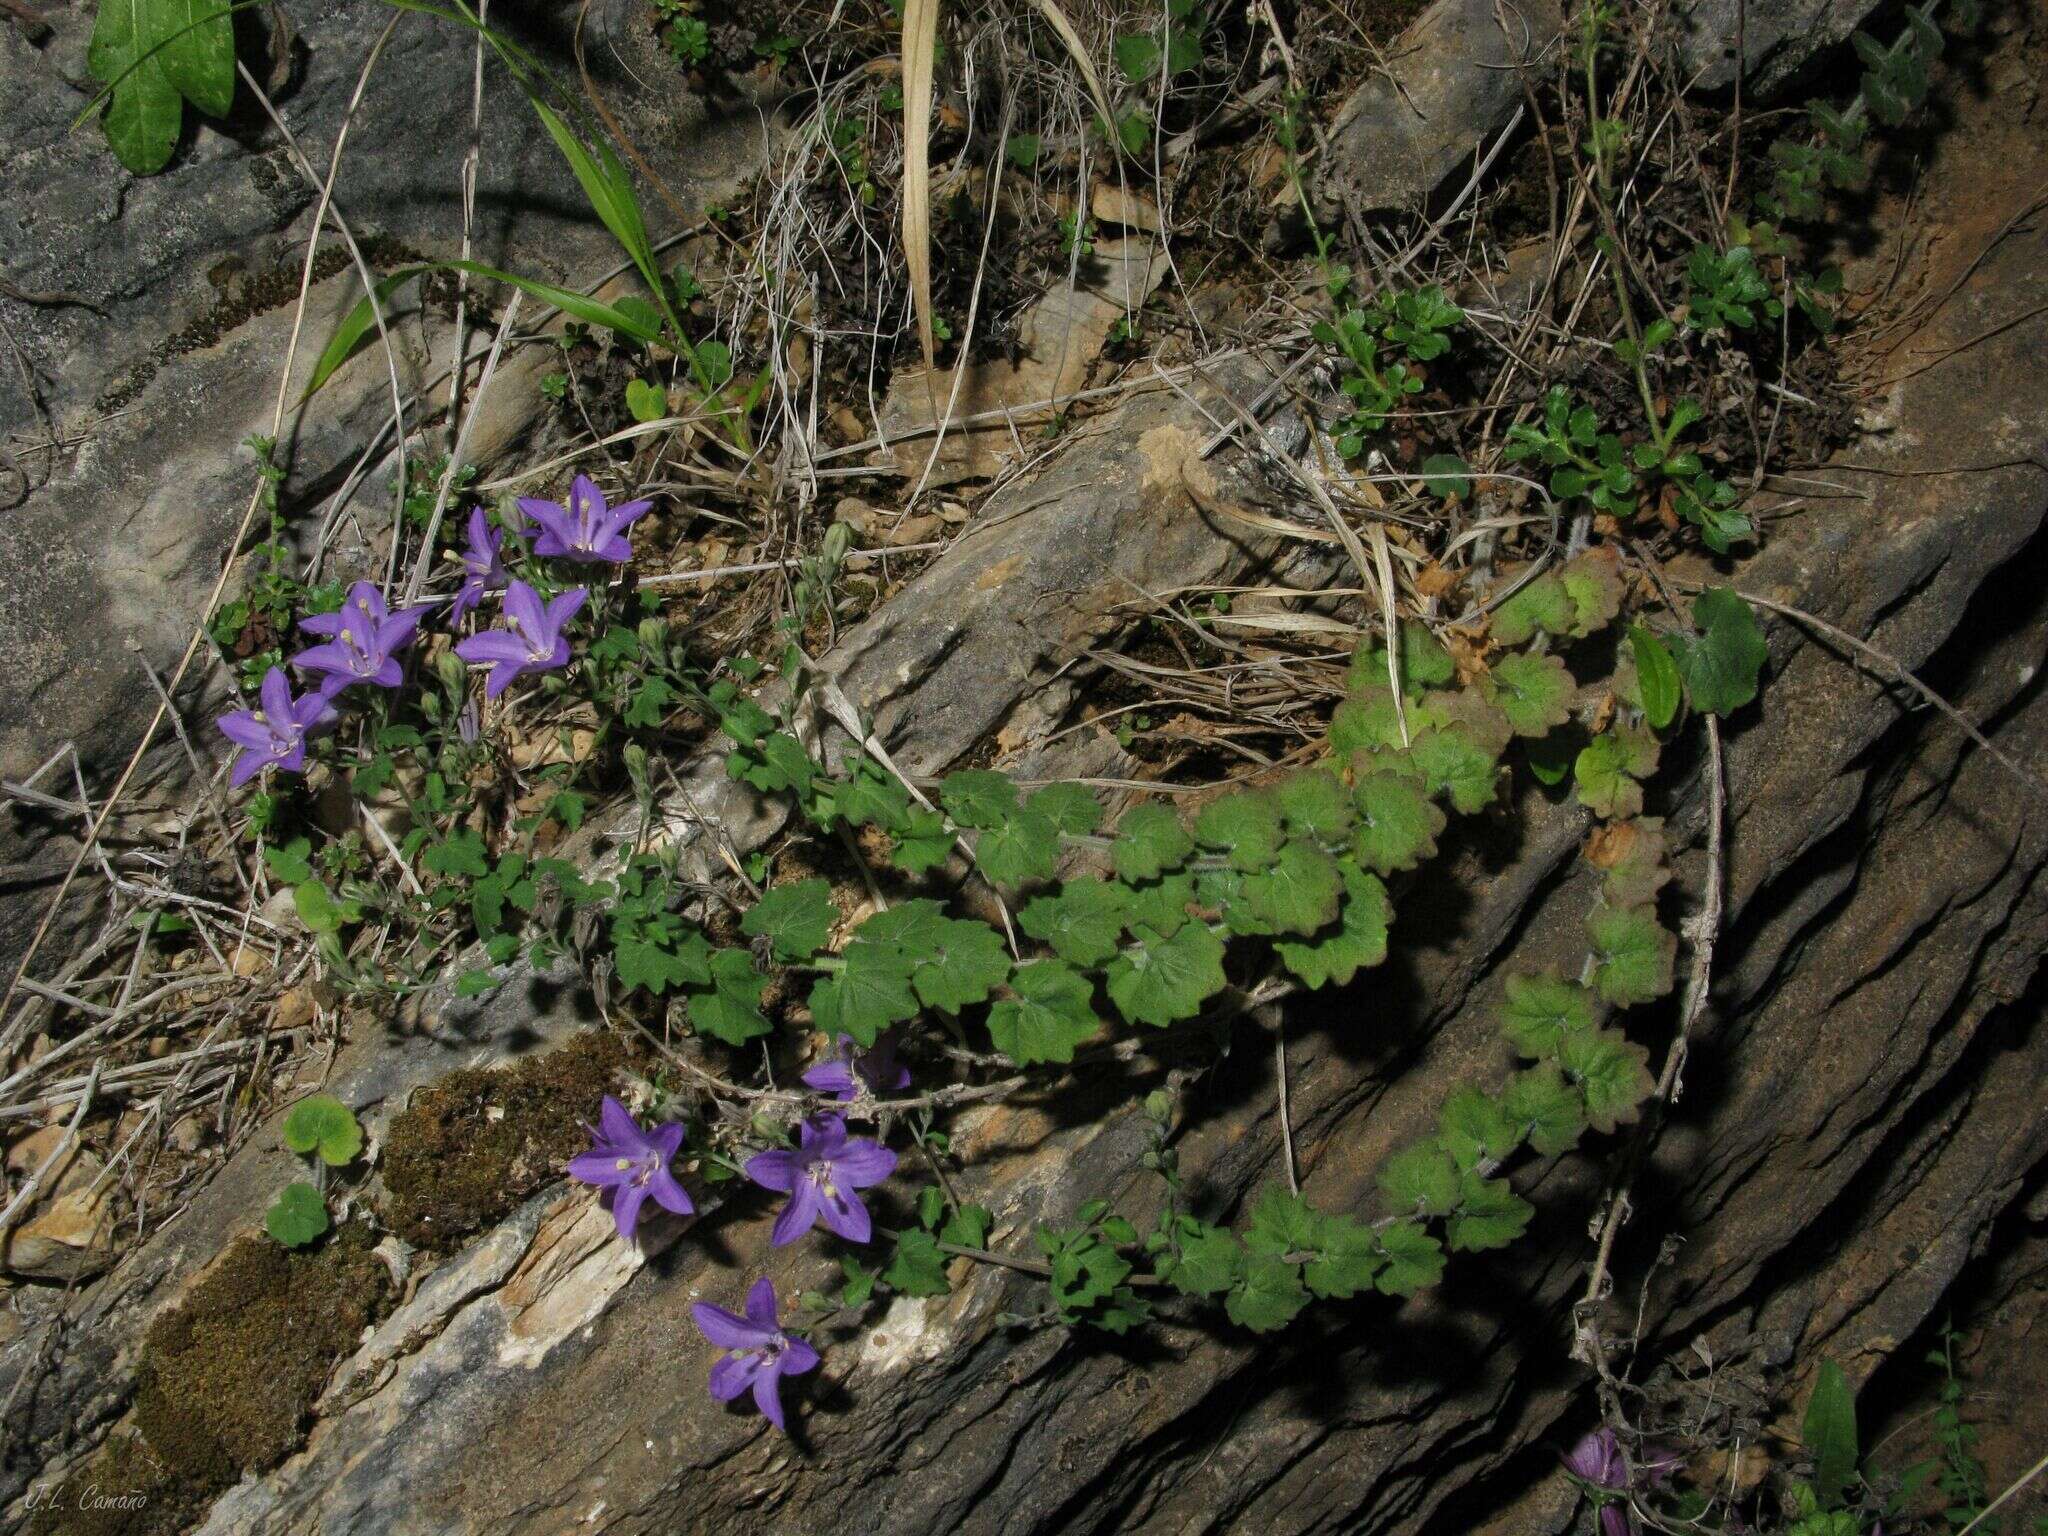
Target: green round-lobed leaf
[(1150, 842), (1722, 665), (297, 1216), (324, 1125), (1050, 1011)]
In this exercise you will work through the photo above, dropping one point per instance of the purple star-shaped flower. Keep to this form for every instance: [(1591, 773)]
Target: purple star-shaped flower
[(761, 1353), (483, 565), (633, 1164), (876, 1067), (363, 639), (822, 1177), (1599, 1462), (586, 529), (275, 736), (531, 641)]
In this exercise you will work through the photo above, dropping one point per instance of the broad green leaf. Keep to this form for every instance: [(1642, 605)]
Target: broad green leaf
[(1829, 1433), (1398, 823), (1447, 475), (323, 1124), (645, 402), (923, 842), (1489, 1215), (1613, 1073), (1359, 940), (1083, 923), (1656, 677), (1268, 1294), (1050, 1011), (1631, 854), (917, 1267), (1414, 1260), (1543, 604), (1474, 1129), (298, 1215), (976, 797), (1593, 584), (1424, 662), (1548, 1106), (1634, 953), (1609, 770), (732, 1010), (1455, 765), (1023, 848), (1347, 1258), (659, 956), (1211, 1260), (865, 998), (1161, 905), (144, 110), (1420, 1179), (196, 42), (1150, 841), (1314, 804), (968, 962), (1297, 893), (1166, 978), (1069, 807), (1534, 692), (461, 854), (796, 919), (1542, 1009), (1280, 1223), (1244, 826), (1721, 667)]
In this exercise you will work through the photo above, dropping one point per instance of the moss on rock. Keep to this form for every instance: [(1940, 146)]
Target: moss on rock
[(472, 1146)]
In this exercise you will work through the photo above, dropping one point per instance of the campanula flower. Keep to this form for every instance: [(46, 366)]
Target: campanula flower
[(275, 736), (761, 1353), (633, 1164), (1599, 1462), (364, 638), (483, 565), (822, 1177), (531, 641), (876, 1067), (586, 529)]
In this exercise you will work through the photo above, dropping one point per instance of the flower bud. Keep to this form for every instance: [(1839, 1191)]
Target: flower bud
[(453, 672)]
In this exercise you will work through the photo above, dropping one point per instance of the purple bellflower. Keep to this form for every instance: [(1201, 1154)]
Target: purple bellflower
[(531, 641), (586, 529), (822, 1177), (363, 639), (876, 1068), (1600, 1463), (633, 1164), (275, 736), (761, 1353), (483, 565)]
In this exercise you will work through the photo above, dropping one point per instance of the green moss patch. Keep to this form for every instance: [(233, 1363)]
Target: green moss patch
[(471, 1147)]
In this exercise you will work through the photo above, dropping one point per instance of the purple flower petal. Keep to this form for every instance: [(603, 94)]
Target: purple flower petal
[(728, 1330), (523, 608), (244, 729), (778, 1170), (833, 1077), (797, 1357), (670, 1195), (626, 1202), (845, 1215), (733, 1374), (768, 1398), (761, 1310), (491, 647), (863, 1163), (247, 766), (799, 1215), (275, 692), (599, 1168), (617, 1125)]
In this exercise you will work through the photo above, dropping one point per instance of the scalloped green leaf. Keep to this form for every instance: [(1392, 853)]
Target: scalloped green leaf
[(1358, 942), (1398, 824), (1424, 662), (1613, 1073), (1083, 923), (1593, 583), (322, 1123), (1551, 1109), (1455, 765), (1163, 979), (1722, 666), (1347, 1258), (1489, 1215), (923, 843), (1608, 771), (1211, 1260), (1244, 826), (865, 998), (977, 797), (796, 919), (1634, 954), (1542, 1009), (1150, 841), (1267, 1296), (1298, 892), (731, 1010), (1024, 848), (1534, 692), (297, 1216), (1072, 808), (964, 967), (1540, 605), (1314, 803), (1420, 1179), (1474, 1128), (1413, 1259), (1049, 1012)]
